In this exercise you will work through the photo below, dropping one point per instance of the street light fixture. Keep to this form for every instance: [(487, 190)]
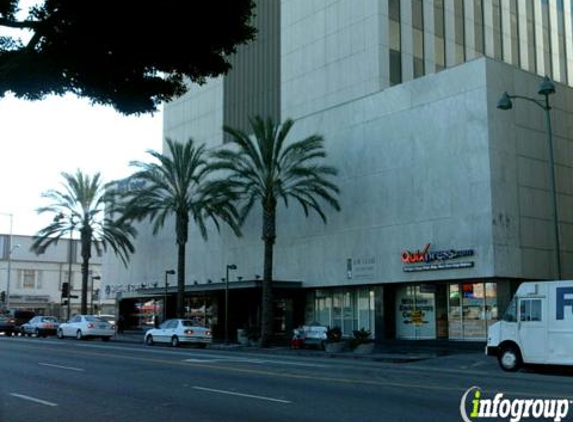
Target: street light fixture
[(229, 267), (167, 272), (546, 88)]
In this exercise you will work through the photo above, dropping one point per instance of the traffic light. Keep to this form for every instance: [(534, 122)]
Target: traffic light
[(2, 296), (65, 289)]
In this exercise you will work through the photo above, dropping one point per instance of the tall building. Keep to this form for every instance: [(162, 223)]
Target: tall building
[(447, 201)]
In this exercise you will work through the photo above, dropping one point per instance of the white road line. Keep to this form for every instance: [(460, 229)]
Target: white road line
[(69, 368), (45, 403), (232, 393), (253, 361)]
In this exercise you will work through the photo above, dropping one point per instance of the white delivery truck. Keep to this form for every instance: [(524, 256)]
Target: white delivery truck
[(536, 328)]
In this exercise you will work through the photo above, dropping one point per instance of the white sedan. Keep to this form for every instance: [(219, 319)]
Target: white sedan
[(178, 331), (83, 326)]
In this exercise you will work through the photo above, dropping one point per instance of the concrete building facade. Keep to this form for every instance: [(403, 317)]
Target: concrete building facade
[(446, 200)]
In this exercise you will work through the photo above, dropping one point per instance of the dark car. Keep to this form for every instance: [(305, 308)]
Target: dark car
[(21, 317), (7, 324)]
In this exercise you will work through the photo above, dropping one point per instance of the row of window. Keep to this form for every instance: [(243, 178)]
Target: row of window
[(32, 280), (535, 35)]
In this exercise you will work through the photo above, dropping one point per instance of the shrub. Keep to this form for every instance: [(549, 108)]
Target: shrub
[(334, 334), (361, 336)]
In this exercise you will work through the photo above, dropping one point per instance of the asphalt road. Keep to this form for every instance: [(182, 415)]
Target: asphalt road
[(52, 380)]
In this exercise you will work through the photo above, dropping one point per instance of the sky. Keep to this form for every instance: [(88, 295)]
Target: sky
[(41, 139)]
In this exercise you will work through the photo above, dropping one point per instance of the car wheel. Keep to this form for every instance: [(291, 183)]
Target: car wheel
[(510, 358), (149, 340), (9, 333), (175, 341), (106, 338), (79, 335), (60, 334)]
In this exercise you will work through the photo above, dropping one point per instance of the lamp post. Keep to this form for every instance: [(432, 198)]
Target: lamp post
[(94, 277), (167, 272), (229, 267), (546, 89), (9, 272)]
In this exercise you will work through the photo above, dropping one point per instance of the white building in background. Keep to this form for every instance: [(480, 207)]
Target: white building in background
[(446, 200), (30, 281)]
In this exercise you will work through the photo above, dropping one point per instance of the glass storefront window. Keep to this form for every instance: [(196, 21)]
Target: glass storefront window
[(349, 309), (472, 307)]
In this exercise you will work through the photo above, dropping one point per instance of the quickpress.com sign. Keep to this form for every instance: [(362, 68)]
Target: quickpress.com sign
[(474, 407)]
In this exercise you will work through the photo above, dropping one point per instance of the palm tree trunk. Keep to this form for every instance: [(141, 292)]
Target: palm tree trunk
[(269, 236), (86, 255), (182, 230), (181, 280)]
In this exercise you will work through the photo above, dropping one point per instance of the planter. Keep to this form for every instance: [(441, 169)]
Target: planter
[(364, 349), (335, 347)]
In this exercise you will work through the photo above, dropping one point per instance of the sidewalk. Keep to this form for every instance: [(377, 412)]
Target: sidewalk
[(392, 351)]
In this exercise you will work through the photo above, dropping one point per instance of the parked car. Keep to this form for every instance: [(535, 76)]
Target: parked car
[(84, 326), (177, 332), (7, 324), (311, 335), (109, 318), (21, 316), (40, 326)]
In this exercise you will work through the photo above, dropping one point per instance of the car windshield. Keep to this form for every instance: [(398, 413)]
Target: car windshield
[(188, 323), (108, 318), (94, 319), (49, 319)]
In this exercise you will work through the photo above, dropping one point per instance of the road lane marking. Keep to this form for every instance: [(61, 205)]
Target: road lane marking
[(45, 403), (358, 381), (232, 393), (69, 368)]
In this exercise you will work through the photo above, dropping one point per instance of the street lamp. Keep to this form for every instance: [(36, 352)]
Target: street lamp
[(229, 267), (9, 258), (10, 272), (94, 277), (546, 89), (167, 272)]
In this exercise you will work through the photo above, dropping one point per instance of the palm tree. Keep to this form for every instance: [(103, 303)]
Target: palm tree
[(263, 169), (177, 185), (81, 206)]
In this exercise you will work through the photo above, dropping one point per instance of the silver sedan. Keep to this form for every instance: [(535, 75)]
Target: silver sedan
[(84, 326), (177, 332), (40, 326)]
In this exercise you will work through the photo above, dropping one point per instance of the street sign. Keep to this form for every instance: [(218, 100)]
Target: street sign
[(73, 296)]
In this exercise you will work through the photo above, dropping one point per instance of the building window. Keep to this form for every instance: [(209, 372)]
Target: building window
[(513, 14), (439, 35), (395, 42), (29, 279), (472, 307), (418, 37), (459, 28), (497, 30), (349, 309), (531, 42), (546, 25), (479, 28)]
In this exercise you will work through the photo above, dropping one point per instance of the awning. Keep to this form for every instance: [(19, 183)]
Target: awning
[(207, 287)]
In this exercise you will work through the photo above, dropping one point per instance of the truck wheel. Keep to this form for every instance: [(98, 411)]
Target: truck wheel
[(510, 358)]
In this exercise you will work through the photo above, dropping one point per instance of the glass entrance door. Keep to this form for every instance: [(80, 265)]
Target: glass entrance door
[(415, 313)]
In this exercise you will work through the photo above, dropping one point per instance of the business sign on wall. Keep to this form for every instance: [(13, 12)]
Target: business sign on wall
[(426, 260), (362, 268)]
